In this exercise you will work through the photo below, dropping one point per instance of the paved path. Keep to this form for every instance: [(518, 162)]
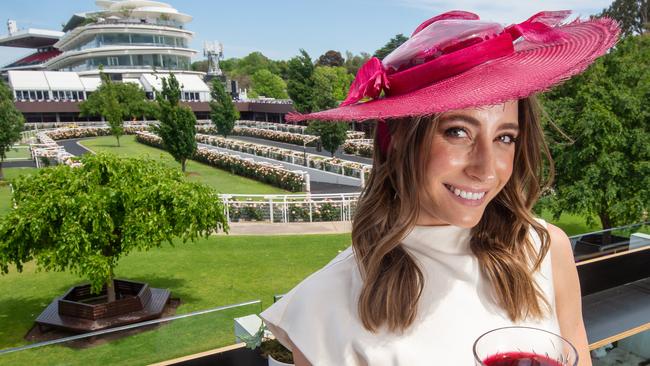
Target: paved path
[(311, 150), (73, 147), (296, 228), (19, 164)]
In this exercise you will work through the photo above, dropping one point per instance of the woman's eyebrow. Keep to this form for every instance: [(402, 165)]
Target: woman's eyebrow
[(474, 122)]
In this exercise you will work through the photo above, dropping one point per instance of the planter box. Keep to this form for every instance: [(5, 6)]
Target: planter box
[(130, 297)]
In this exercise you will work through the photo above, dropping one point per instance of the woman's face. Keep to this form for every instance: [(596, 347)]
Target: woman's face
[(471, 160)]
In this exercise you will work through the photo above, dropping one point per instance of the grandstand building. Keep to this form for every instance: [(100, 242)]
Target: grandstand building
[(138, 41)]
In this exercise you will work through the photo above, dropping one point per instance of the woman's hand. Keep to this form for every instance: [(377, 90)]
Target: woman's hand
[(568, 299)]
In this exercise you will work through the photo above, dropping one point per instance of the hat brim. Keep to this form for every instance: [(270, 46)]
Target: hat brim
[(536, 68)]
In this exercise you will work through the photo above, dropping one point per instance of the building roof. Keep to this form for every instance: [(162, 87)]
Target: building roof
[(58, 80), (91, 83), (31, 38), (27, 80), (44, 80), (188, 82)]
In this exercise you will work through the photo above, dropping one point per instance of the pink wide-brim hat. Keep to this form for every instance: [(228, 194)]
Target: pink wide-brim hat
[(454, 61)]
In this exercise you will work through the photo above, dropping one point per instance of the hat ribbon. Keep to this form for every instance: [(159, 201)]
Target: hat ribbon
[(372, 78)]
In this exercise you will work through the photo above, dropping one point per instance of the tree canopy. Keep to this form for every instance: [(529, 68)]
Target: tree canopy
[(332, 134), (605, 169), (116, 102), (177, 124), (331, 58), (300, 84), (85, 219), (11, 123), (335, 81), (268, 84), (223, 110), (632, 15)]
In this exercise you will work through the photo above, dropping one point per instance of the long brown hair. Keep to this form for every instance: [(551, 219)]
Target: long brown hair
[(388, 209)]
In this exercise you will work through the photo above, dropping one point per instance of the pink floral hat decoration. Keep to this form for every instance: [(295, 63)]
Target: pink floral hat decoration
[(455, 60)]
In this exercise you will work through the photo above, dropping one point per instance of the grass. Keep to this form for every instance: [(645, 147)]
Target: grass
[(571, 224), (221, 180), (219, 270), (19, 152), (5, 189)]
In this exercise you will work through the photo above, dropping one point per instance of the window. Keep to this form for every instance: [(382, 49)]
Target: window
[(68, 94), (112, 61), (19, 94), (39, 95), (32, 95), (81, 95)]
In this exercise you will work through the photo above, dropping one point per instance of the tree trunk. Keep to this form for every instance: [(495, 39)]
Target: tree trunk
[(110, 289), (2, 174), (606, 222), (118, 140), (183, 161)]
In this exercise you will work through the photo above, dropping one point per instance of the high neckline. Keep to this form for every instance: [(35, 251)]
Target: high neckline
[(438, 239)]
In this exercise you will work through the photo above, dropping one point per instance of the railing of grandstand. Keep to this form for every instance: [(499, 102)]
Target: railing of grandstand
[(614, 240), (290, 208)]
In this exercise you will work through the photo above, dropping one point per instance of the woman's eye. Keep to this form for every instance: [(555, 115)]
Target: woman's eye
[(456, 132), (508, 139)]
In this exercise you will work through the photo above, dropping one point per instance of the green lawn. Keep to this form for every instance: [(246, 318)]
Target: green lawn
[(220, 270), (5, 190), (571, 224), (221, 180), (19, 152)]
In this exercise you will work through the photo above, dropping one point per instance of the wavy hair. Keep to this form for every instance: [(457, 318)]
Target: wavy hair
[(388, 209)]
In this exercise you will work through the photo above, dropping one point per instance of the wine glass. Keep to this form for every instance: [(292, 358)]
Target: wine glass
[(519, 346)]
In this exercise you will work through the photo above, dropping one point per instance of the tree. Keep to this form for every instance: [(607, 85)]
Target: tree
[(605, 169), (116, 102), (224, 113), (332, 134), (177, 126), (85, 219), (354, 62), (390, 46), (333, 80), (632, 15), (269, 85), (11, 123), (330, 58), (300, 84), (201, 66)]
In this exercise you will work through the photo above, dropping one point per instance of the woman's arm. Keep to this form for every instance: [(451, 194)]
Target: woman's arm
[(298, 358), (568, 301)]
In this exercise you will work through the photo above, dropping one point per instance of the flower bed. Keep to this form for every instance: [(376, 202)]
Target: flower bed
[(263, 172), (272, 126), (333, 165), (75, 133), (286, 137), (361, 148)]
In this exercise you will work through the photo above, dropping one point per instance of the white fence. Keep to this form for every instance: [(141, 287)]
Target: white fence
[(290, 208)]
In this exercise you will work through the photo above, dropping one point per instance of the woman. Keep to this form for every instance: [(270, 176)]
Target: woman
[(444, 244)]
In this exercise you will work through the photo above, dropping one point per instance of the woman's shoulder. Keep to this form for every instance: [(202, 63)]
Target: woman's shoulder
[(307, 315), (327, 285)]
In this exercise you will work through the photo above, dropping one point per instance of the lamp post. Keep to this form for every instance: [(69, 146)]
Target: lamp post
[(304, 152)]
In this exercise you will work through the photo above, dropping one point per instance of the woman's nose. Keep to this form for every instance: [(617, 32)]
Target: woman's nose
[(482, 165)]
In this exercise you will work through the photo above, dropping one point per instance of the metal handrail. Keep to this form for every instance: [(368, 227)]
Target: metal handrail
[(126, 327)]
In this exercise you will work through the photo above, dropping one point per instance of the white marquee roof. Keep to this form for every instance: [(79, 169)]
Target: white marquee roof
[(188, 83)]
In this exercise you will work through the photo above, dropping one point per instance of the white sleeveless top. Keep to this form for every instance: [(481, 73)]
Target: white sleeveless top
[(320, 314)]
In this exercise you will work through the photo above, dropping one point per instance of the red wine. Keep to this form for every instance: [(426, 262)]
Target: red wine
[(520, 359)]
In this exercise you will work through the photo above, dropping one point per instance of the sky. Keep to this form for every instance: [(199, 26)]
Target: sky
[(280, 28)]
